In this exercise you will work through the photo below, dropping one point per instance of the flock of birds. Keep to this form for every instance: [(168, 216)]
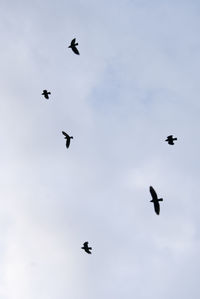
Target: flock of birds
[(170, 139)]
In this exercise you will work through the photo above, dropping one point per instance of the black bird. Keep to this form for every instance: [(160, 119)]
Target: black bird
[(68, 138), (170, 139), (46, 94), (155, 200), (86, 248), (73, 46)]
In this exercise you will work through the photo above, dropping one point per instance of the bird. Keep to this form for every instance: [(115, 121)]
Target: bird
[(155, 200), (86, 248), (170, 139), (68, 138), (46, 94), (73, 46)]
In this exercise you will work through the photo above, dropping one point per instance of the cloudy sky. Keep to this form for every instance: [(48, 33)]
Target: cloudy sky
[(135, 82)]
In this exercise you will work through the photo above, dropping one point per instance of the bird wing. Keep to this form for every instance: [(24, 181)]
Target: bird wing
[(73, 41), (65, 134), (88, 250), (153, 193), (75, 50), (157, 207), (67, 142), (85, 244)]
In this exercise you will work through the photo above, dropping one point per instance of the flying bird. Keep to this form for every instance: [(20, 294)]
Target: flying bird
[(86, 248), (170, 139), (155, 200), (73, 46), (68, 138), (46, 94)]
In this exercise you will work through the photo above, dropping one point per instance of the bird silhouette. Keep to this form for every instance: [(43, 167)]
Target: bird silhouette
[(46, 94), (86, 248), (68, 138), (170, 139), (155, 200), (73, 46)]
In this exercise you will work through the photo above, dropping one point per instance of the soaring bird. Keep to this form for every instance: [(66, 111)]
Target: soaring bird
[(46, 94), (170, 139), (68, 138), (73, 46), (86, 248), (155, 200)]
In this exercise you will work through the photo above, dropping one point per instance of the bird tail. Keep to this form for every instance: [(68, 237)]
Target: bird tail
[(160, 199)]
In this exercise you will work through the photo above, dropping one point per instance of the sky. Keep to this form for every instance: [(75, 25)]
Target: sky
[(135, 82)]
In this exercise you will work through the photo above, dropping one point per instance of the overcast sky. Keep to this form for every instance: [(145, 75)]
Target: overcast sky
[(135, 82)]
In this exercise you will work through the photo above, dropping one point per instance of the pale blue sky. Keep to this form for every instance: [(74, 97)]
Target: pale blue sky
[(135, 82)]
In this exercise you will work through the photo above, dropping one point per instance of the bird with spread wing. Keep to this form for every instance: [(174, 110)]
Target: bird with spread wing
[(170, 139), (155, 200), (46, 94), (73, 46), (86, 248), (68, 139)]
